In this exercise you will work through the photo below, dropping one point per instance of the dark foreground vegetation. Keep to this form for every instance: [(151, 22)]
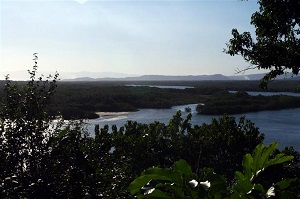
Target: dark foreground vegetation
[(41, 158)]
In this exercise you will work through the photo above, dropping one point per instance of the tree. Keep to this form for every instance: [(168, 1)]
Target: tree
[(276, 46), (43, 159), (24, 134)]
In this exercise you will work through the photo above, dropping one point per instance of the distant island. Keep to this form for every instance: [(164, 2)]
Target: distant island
[(241, 102)]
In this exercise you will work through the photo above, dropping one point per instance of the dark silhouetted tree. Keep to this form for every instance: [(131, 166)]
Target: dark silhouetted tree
[(276, 46)]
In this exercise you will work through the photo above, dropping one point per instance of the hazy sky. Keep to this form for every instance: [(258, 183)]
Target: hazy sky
[(133, 37)]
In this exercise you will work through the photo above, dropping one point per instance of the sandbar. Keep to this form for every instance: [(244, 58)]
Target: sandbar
[(111, 113)]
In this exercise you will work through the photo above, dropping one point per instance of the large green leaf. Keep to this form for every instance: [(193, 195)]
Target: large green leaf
[(183, 167), (258, 188), (158, 194), (239, 176), (243, 186), (173, 176), (177, 191), (279, 158), (138, 183), (247, 165), (288, 183), (260, 160), (287, 195), (263, 156), (217, 184), (257, 155)]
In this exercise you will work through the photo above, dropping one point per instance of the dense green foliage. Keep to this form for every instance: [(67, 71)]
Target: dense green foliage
[(163, 144), (242, 102), (276, 46), (180, 182)]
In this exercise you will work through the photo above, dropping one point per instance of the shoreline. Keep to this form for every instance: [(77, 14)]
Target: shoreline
[(102, 114)]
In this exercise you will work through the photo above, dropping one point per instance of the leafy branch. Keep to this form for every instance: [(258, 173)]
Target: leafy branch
[(180, 182)]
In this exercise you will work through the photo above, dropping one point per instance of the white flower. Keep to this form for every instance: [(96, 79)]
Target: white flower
[(193, 183), (205, 184), (270, 192)]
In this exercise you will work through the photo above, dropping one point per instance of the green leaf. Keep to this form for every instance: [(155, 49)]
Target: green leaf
[(158, 194), (141, 181), (218, 188), (261, 157), (236, 195), (265, 154), (217, 184), (173, 176), (287, 195), (183, 167), (253, 165), (279, 158), (247, 165), (243, 186), (238, 175), (286, 183), (256, 159), (259, 188), (177, 191)]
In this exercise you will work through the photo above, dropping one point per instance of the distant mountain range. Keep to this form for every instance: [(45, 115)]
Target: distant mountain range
[(214, 77), (23, 75), (111, 76)]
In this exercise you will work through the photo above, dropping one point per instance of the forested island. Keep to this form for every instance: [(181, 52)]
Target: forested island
[(242, 102), (83, 100), (79, 100)]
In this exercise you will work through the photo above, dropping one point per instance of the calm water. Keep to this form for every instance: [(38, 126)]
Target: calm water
[(282, 126), (159, 86)]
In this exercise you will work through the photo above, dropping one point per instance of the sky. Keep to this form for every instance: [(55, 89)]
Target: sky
[(133, 37)]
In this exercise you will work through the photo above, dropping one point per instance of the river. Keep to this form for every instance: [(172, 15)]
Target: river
[(282, 126)]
